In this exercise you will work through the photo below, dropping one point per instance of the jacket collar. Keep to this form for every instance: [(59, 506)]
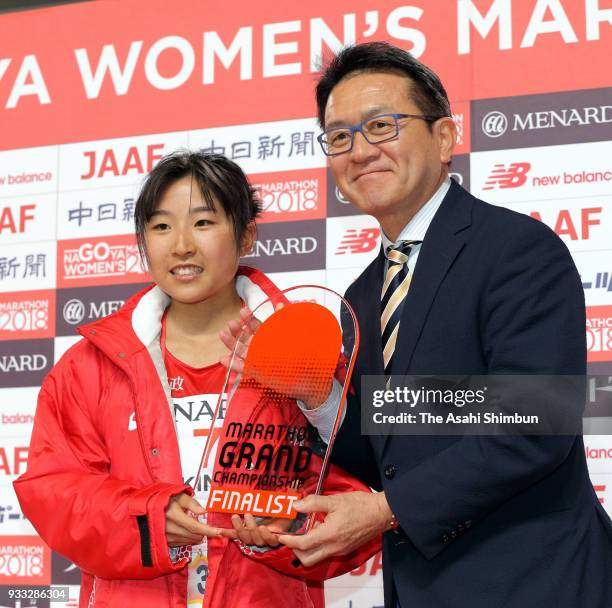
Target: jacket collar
[(137, 324), (443, 242)]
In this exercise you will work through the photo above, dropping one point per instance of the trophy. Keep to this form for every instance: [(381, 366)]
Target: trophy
[(295, 352)]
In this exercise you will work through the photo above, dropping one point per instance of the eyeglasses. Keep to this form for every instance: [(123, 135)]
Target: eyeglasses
[(375, 130)]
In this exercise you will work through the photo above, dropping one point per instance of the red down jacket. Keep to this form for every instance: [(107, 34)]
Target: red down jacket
[(97, 486)]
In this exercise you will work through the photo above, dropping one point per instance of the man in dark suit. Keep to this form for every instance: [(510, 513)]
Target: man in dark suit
[(468, 521)]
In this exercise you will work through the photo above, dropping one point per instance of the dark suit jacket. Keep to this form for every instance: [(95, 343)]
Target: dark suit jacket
[(485, 521)]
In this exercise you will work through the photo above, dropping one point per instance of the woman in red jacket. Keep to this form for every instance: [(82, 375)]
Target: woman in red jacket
[(122, 417)]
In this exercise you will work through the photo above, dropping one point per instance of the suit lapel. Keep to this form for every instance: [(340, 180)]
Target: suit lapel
[(441, 245), (367, 303), (369, 317)]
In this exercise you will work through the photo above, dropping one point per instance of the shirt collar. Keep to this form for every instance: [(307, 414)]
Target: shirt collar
[(416, 228)]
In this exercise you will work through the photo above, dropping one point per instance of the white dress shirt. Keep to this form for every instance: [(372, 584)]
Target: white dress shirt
[(416, 228)]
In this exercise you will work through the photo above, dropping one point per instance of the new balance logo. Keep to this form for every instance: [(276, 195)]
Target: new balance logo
[(511, 176), (132, 423), (358, 241)]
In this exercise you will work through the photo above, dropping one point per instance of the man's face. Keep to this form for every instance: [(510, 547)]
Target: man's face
[(392, 180)]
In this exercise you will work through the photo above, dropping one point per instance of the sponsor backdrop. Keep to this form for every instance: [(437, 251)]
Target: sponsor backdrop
[(93, 95)]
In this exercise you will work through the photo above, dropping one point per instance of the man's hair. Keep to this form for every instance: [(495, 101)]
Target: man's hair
[(425, 88), (218, 179)]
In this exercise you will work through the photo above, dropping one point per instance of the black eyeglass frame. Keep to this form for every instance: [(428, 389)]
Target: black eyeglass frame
[(359, 128)]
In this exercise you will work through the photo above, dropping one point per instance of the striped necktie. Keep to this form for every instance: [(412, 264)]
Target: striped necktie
[(395, 288)]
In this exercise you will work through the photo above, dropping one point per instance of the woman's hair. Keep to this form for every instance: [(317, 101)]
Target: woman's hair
[(219, 180)]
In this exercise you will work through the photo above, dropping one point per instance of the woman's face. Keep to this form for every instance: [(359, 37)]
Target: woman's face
[(192, 249)]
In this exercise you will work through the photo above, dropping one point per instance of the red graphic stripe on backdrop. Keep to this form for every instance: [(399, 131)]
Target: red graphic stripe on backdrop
[(163, 81)]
